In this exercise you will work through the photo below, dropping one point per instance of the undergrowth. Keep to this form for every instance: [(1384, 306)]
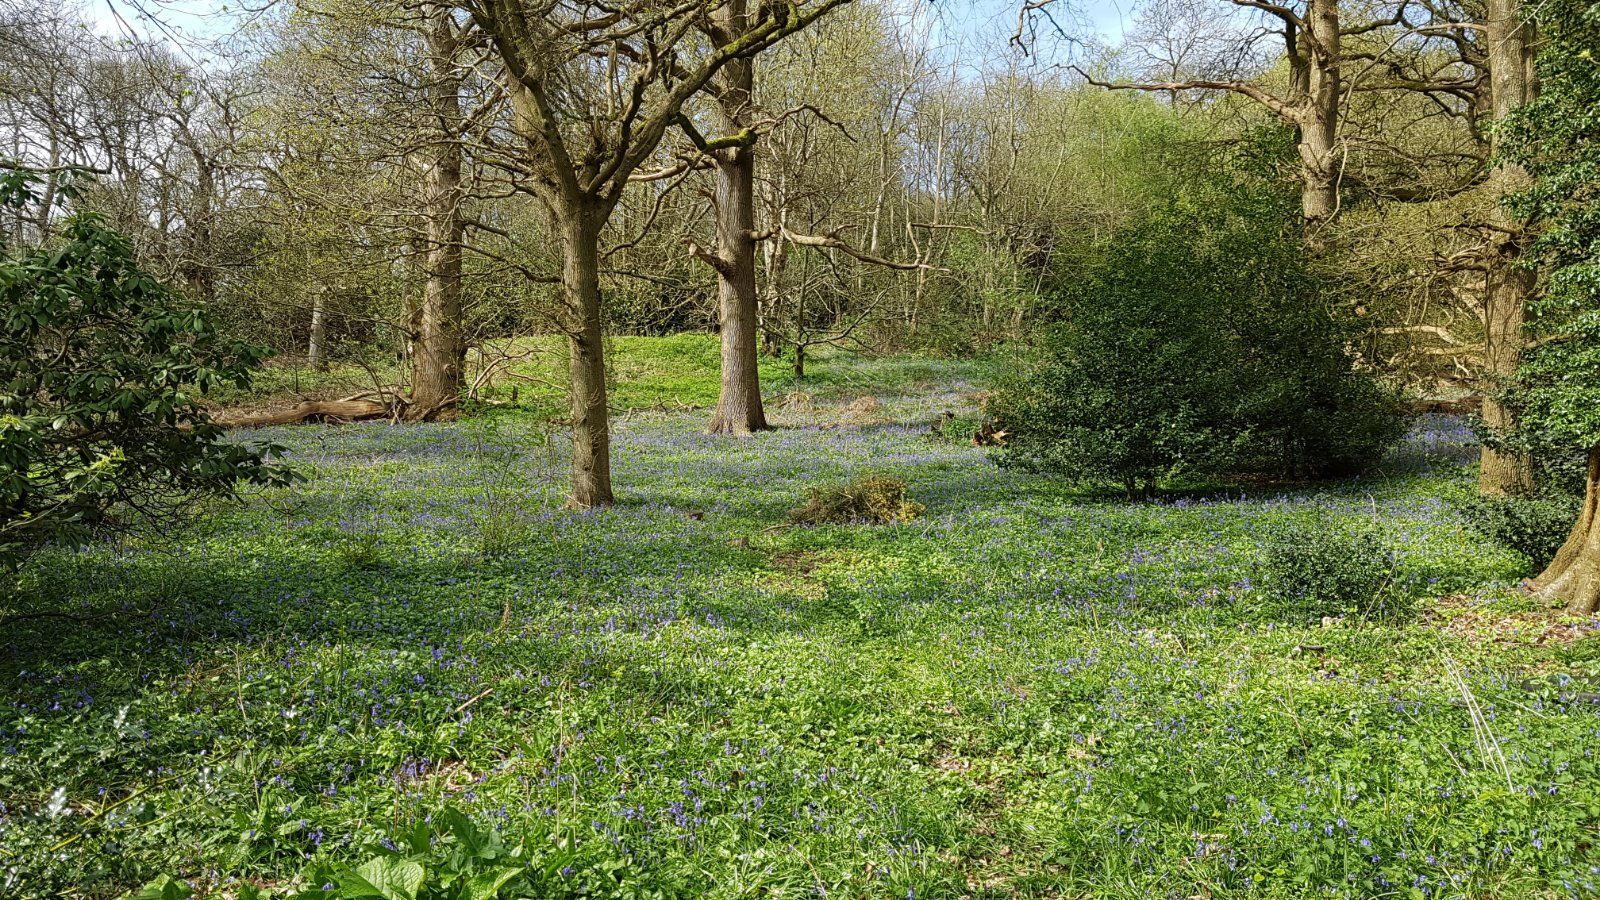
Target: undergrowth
[(1024, 691)]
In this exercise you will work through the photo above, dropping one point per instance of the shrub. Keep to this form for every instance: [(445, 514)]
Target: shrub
[(1197, 342), (871, 499), (99, 367), (447, 858), (1313, 572), (450, 858), (1532, 526)]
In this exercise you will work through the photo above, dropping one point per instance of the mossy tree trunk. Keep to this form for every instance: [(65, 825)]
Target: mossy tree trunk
[(739, 409), (1507, 283)]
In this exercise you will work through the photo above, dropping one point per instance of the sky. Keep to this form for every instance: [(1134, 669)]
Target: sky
[(180, 20)]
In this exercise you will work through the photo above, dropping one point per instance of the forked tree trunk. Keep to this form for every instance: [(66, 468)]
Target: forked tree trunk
[(580, 281), (1507, 285), (439, 356), (1573, 577)]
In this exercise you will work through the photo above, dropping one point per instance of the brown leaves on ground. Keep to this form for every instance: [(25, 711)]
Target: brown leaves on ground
[(863, 411), (1476, 622), (869, 500)]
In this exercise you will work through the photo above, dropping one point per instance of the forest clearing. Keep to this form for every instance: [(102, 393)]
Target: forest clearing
[(1024, 692), (479, 449)]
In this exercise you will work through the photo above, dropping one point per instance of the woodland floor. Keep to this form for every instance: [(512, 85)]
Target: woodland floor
[(1029, 692)]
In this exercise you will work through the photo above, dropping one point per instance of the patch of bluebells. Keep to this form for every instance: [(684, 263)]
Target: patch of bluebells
[(848, 711)]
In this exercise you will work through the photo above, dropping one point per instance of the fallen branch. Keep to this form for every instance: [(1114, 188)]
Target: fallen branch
[(310, 410)]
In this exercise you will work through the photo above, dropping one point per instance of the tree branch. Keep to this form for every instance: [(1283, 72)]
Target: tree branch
[(1277, 106), (831, 242)]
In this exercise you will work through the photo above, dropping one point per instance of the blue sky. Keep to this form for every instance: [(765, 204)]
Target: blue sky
[(213, 18)]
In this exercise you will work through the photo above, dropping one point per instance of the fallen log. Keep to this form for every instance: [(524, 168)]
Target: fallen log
[(1459, 406), (310, 411)]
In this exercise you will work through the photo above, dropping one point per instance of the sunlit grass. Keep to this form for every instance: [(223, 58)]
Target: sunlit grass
[(1026, 691)]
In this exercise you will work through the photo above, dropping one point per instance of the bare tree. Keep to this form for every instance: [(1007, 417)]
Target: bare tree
[(439, 360), (594, 88), (1312, 36), (738, 408)]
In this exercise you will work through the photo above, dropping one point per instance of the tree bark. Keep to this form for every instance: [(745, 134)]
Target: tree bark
[(1573, 577), (439, 357), (772, 307), (316, 349), (1503, 471), (1315, 64), (1507, 284), (739, 400), (580, 280)]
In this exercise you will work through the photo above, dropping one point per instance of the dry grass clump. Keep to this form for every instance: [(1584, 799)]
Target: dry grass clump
[(869, 500)]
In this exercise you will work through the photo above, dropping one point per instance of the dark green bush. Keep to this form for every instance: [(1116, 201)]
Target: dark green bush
[(1196, 341), (1532, 526), (100, 368), (1310, 573), (869, 500)]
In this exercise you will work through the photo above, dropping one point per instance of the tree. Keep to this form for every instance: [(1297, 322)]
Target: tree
[(1509, 48), (1557, 138), (439, 360), (389, 166), (738, 408), (99, 363), (1309, 101), (1473, 62), (594, 88)]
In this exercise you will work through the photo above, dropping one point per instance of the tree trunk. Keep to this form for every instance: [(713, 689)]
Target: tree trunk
[(1573, 577), (316, 350), (1507, 284), (739, 402), (440, 353), (1502, 471), (199, 252), (1317, 71), (772, 308), (580, 281)]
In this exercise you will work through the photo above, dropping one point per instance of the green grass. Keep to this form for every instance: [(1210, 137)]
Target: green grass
[(645, 373), (1026, 692)]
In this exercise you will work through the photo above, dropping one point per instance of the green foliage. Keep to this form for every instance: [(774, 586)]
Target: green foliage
[(1533, 526), (1312, 571), (1557, 137), (448, 858), (694, 706), (869, 500), (499, 451), (99, 368), (1195, 342), (164, 888)]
